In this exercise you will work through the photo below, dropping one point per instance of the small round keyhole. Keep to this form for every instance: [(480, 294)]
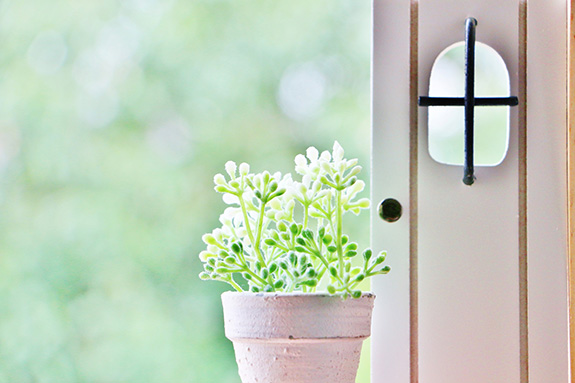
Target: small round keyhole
[(390, 210)]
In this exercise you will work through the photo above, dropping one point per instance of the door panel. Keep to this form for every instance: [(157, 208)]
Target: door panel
[(478, 289), (468, 247)]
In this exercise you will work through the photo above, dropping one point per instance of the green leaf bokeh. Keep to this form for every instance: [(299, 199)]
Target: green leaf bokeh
[(114, 116)]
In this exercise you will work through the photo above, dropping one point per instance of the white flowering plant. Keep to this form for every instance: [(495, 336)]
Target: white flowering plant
[(281, 234)]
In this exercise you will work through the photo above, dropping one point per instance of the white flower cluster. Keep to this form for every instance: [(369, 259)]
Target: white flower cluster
[(267, 233)]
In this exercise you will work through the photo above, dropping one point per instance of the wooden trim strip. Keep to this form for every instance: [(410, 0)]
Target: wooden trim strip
[(413, 170), (522, 143), (571, 178)]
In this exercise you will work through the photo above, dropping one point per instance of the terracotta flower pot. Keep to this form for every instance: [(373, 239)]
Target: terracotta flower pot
[(297, 337)]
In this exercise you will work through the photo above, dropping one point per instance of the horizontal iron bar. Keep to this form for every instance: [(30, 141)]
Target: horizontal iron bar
[(459, 101)]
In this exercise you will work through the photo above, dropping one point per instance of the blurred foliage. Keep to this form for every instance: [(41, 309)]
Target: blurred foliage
[(114, 116)]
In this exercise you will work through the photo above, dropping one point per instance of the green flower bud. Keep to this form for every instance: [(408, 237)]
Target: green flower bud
[(265, 273), (273, 267), (385, 270), (258, 194), (296, 274), (300, 249), (351, 181), (307, 234), (344, 239), (380, 259), (292, 257), (367, 254), (258, 266), (331, 289), (268, 289), (300, 241), (356, 294), (278, 193), (283, 265), (279, 284), (347, 266), (332, 249), (327, 239), (293, 228), (255, 289), (223, 254), (321, 232), (230, 260), (209, 239), (285, 236), (222, 189), (282, 227), (333, 271), (211, 261), (222, 270), (310, 283), (311, 273), (273, 186), (303, 260), (351, 247), (270, 242), (236, 248), (360, 277), (247, 276), (204, 276), (350, 254)]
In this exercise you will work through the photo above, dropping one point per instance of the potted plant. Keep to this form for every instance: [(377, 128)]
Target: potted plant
[(280, 243)]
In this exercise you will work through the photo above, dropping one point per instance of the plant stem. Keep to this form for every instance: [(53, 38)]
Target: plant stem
[(234, 284), (339, 223), (254, 275), (259, 234)]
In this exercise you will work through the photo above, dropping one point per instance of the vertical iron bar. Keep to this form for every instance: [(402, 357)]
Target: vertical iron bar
[(469, 99)]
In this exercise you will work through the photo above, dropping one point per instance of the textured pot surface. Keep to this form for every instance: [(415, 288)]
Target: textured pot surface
[(297, 337)]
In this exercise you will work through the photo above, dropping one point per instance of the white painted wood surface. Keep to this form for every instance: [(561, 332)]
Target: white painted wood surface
[(390, 178), (468, 310), (547, 187)]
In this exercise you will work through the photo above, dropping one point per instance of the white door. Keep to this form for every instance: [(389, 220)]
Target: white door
[(478, 288)]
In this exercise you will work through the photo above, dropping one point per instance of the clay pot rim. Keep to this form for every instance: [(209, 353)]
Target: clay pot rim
[(364, 295)]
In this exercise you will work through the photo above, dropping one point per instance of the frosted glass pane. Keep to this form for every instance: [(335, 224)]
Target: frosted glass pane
[(446, 123)]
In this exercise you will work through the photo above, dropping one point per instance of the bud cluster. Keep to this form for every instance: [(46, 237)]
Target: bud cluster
[(279, 234)]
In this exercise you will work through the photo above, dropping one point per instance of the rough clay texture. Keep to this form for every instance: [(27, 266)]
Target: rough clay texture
[(295, 337)]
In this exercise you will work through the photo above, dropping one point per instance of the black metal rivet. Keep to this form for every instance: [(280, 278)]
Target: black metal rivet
[(390, 210)]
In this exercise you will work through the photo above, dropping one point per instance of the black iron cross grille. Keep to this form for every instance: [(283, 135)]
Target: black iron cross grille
[(469, 101)]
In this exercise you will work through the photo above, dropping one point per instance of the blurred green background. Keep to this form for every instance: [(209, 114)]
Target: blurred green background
[(114, 116)]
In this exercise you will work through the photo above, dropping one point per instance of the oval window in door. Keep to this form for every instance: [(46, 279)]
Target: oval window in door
[(446, 123)]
